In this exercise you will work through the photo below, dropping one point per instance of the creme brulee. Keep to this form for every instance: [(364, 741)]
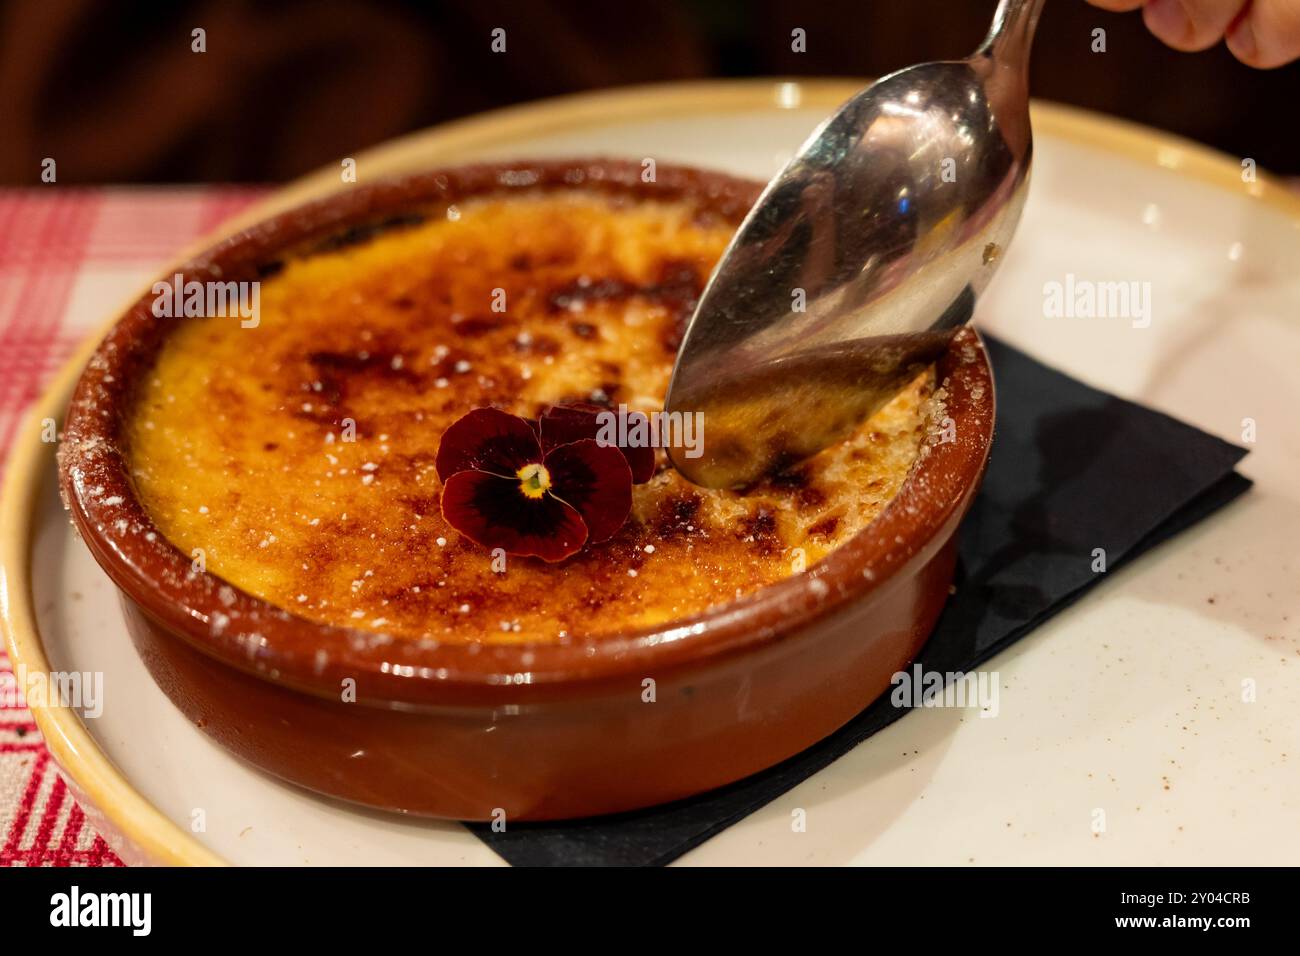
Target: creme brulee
[(298, 455)]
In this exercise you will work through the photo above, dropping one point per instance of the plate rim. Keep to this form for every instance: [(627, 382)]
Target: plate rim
[(132, 816)]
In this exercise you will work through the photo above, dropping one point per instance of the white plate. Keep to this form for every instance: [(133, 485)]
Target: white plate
[(1129, 704)]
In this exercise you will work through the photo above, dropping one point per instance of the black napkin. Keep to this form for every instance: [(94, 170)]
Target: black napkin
[(1072, 469)]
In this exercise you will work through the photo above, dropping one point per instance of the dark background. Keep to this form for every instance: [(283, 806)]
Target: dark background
[(114, 94)]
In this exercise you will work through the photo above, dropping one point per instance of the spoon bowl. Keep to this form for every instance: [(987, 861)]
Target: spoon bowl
[(859, 260)]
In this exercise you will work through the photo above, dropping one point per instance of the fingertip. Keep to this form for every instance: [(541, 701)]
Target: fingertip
[(1267, 35), (1117, 6), (1170, 23), (1241, 42)]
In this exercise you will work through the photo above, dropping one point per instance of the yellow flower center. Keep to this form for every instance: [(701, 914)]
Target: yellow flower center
[(534, 479)]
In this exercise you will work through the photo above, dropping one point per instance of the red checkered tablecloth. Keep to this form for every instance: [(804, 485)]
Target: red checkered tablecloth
[(67, 255)]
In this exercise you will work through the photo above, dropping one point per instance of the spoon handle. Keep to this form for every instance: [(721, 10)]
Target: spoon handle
[(1012, 33)]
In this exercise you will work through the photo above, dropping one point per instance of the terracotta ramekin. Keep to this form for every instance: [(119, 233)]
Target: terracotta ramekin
[(535, 731)]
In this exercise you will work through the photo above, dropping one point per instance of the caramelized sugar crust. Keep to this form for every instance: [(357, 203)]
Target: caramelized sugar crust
[(299, 454)]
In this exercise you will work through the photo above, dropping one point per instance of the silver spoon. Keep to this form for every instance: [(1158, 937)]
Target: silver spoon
[(859, 260)]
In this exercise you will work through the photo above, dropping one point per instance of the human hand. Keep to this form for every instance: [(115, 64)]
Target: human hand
[(1260, 33)]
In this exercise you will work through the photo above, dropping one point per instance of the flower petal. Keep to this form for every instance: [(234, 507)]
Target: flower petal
[(494, 513), (487, 439), (596, 480), (562, 424)]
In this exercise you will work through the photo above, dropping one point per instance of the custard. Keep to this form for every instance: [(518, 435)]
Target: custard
[(296, 457)]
